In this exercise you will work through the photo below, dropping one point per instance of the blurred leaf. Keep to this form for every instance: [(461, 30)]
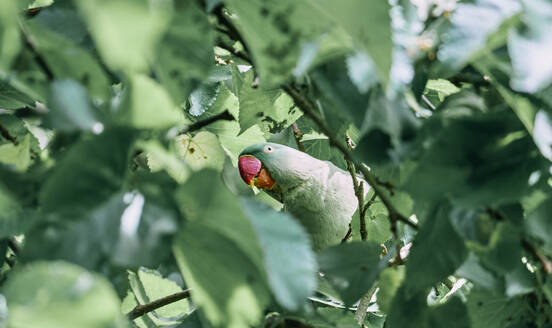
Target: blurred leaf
[(126, 31), (275, 33), (89, 174), (472, 270), (539, 225), (69, 297), (17, 155), (389, 282), (471, 26), (437, 245), (408, 311), (11, 98), (494, 311), (472, 156), (531, 71), (68, 60), (9, 33), (69, 107), (14, 219), (369, 23), (351, 268), (503, 250), (146, 104), (289, 260), (185, 53), (542, 133), (437, 90), (218, 254), (454, 313)]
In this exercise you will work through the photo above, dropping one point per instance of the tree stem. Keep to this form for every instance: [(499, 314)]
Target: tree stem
[(140, 310)]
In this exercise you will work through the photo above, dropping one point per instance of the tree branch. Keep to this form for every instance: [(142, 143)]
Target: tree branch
[(309, 111), (224, 116), (234, 51), (140, 310), (37, 56), (298, 136), (546, 265), (359, 193), (428, 103)]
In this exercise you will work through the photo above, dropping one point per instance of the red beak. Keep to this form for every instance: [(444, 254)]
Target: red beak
[(249, 167)]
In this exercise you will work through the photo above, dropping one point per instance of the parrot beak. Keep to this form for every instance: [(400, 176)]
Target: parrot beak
[(253, 172)]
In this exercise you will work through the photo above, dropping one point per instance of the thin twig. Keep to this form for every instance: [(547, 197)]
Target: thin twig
[(360, 313), (224, 116), (358, 187), (140, 310), (234, 51), (546, 265), (6, 134), (309, 111), (298, 136), (29, 44), (12, 244), (428, 103)]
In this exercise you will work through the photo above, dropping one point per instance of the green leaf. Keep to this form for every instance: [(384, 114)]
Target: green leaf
[(270, 108), (11, 98), (201, 151), (146, 104), (89, 174), (408, 311), (472, 270), (147, 286), (453, 314), (437, 245), (289, 260), (70, 297), (218, 254), (538, 224), (9, 33), (369, 23), (185, 53), (70, 109), (389, 282), (275, 33), (471, 26), (542, 133), (439, 89), (126, 31), (526, 45), (503, 250), (17, 155), (67, 60), (351, 268), (14, 219), (494, 311)]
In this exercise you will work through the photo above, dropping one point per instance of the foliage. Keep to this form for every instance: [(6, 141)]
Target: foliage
[(121, 123)]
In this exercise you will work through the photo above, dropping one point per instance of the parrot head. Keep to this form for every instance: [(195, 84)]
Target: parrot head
[(252, 168), (274, 167)]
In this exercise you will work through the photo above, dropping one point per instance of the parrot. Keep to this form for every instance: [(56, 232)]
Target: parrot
[(317, 193)]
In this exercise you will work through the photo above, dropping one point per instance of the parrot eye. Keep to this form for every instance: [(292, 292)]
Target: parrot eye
[(268, 149)]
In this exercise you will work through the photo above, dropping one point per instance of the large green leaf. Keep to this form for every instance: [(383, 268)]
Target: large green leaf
[(351, 268), (126, 31), (146, 104), (67, 60), (186, 51), (437, 245), (539, 225), (289, 260), (70, 108), (69, 296), (218, 254), (147, 286), (9, 33), (89, 174)]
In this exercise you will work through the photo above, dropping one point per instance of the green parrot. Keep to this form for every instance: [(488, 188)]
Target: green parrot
[(317, 193)]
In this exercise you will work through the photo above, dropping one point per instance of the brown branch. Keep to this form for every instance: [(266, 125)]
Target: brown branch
[(358, 186), (234, 51), (546, 265), (29, 44), (232, 31), (140, 310), (310, 112), (224, 116), (6, 134), (298, 136)]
